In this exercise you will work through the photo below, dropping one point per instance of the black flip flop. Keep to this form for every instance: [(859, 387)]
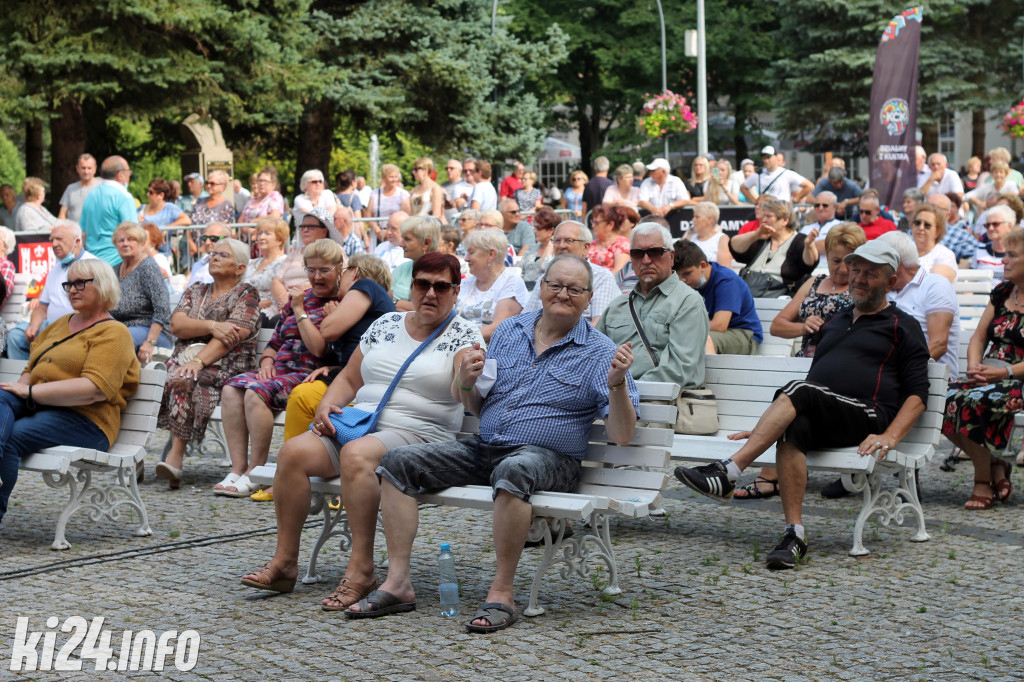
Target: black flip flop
[(500, 616), (380, 603)]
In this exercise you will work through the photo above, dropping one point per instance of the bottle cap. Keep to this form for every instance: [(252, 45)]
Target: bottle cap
[(445, 547)]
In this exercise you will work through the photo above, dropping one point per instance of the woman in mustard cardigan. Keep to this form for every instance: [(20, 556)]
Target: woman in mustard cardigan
[(81, 371)]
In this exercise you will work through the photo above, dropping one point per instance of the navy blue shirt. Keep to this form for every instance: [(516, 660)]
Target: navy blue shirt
[(849, 190), (346, 344), (725, 290)]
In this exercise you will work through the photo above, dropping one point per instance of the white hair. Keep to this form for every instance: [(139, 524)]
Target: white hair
[(644, 229), (308, 177), (904, 246)]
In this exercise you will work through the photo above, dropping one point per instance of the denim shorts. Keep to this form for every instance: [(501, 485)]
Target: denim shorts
[(519, 469)]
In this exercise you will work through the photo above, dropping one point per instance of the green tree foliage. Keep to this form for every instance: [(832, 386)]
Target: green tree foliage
[(12, 170), (966, 63)]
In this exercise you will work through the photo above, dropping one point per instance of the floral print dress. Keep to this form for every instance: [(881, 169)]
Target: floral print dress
[(598, 255), (825, 306), (293, 361), (985, 413)]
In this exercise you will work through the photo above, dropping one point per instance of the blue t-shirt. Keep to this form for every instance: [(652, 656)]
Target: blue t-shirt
[(380, 303), (162, 218), (726, 291)]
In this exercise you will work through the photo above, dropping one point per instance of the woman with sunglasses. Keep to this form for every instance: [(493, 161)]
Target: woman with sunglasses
[(81, 371), (214, 208), (314, 193), (297, 347), (216, 326), (159, 210), (427, 197), (422, 409)]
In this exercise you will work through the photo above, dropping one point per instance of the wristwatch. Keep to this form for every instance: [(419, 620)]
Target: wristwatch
[(300, 318)]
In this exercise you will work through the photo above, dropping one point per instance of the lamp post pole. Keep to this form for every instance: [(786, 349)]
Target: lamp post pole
[(702, 84), (664, 62)]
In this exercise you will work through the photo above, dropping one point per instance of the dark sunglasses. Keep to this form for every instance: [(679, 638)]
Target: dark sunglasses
[(652, 253), (424, 285), (822, 205), (78, 284), (211, 238)]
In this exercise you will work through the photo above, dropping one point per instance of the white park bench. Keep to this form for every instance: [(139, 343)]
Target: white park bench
[(745, 386), (14, 307), (101, 483), (767, 309), (615, 482)]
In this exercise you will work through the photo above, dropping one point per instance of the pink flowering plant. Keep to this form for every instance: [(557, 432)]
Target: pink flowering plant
[(664, 114), (1013, 122)]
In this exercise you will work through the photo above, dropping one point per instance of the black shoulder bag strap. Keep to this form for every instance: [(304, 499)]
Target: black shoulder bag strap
[(640, 330), (66, 338)]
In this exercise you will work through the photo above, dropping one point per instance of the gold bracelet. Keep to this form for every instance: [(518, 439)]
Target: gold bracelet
[(619, 386), (200, 361)]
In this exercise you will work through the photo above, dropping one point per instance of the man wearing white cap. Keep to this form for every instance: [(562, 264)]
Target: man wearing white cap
[(773, 179), (872, 408), (662, 193)]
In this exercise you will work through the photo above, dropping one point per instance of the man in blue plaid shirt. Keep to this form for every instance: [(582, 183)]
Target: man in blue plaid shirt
[(544, 379)]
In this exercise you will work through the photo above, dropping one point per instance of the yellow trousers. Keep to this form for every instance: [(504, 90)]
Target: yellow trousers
[(302, 407)]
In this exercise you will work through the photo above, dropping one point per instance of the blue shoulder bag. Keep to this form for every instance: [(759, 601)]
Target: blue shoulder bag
[(352, 423)]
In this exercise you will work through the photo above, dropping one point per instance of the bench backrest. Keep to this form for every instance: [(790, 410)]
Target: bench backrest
[(13, 310), (745, 386), (138, 421), (767, 309)]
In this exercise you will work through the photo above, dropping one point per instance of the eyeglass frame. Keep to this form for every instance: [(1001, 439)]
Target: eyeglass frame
[(78, 284), (555, 288)]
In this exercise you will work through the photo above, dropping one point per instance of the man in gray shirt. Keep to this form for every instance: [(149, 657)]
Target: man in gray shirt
[(518, 232), (672, 314), (75, 194)]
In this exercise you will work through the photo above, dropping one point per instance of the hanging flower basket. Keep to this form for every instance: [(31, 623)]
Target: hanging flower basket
[(665, 114), (1013, 122)]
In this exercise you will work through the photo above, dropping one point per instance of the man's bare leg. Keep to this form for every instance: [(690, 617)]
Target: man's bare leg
[(511, 526)]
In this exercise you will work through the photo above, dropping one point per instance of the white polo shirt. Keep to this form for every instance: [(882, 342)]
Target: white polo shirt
[(782, 184), (950, 182), (673, 190), (927, 294)]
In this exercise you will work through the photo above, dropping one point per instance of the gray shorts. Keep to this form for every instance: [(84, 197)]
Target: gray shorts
[(391, 438), (520, 470)]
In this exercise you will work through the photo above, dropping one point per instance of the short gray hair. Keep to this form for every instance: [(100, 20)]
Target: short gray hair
[(577, 260), (645, 229), (601, 164), (1003, 212), (913, 193), (489, 239), (239, 250), (585, 234), (826, 195), (708, 209), (836, 174), (423, 227), (904, 246), (639, 168), (309, 176)]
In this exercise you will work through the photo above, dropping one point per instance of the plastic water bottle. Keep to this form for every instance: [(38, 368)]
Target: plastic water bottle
[(449, 585)]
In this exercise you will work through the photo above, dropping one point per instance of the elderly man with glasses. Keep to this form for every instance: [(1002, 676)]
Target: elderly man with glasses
[(871, 219), (671, 314), (825, 207), (573, 238), (533, 435)]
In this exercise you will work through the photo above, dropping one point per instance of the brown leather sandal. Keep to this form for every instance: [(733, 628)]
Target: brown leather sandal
[(347, 593), (982, 501), (1004, 487)]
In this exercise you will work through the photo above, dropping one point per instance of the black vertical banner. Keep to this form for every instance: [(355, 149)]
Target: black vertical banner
[(894, 108)]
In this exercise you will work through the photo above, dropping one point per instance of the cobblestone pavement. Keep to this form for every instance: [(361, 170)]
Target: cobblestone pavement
[(697, 601)]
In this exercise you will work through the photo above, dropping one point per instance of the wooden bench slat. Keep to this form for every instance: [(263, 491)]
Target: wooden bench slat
[(638, 456)]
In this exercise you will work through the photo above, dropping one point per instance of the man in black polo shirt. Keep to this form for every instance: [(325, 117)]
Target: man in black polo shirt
[(867, 385)]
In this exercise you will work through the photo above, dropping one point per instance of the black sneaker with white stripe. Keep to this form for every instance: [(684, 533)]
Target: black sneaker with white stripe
[(710, 479), (789, 550)]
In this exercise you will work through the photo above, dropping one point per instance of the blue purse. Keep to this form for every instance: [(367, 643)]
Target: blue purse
[(352, 423)]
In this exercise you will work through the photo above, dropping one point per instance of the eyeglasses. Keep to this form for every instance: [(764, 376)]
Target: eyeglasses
[(151, 191), (652, 253), (467, 170), (921, 223), (989, 226), (321, 272), (215, 184), (556, 287), (210, 238), (316, 182), (424, 285), (222, 254), (568, 242), (416, 168), (869, 211), (78, 284), (317, 226), (451, 167), (823, 206)]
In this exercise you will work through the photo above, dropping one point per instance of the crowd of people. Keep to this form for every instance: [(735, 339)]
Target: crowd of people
[(474, 296)]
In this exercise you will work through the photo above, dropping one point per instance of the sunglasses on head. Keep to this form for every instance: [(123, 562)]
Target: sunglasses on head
[(652, 253), (424, 285)]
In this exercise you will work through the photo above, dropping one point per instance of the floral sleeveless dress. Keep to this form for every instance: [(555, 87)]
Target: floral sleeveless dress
[(985, 413), (825, 306)]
